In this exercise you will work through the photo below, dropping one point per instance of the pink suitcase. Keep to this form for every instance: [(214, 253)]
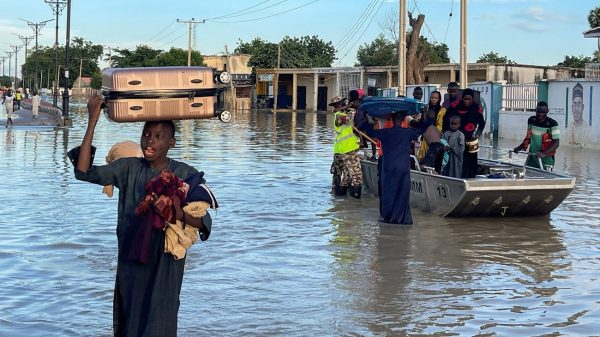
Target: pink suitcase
[(159, 93)]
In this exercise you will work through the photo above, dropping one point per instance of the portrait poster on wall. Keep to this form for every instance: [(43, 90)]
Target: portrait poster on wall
[(572, 104)]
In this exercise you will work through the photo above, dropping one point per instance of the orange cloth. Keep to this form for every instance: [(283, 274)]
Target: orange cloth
[(121, 150)]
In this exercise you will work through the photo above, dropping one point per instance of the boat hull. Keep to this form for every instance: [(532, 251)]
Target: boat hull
[(536, 194)]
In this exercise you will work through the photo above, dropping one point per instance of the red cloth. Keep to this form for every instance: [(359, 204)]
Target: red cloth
[(165, 198)]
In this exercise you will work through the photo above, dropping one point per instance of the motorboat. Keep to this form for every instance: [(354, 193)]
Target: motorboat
[(501, 189)]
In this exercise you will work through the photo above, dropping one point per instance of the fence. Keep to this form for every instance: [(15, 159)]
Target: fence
[(519, 97), (592, 71)]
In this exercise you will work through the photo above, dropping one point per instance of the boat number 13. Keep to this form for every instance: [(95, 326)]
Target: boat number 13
[(443, 191)]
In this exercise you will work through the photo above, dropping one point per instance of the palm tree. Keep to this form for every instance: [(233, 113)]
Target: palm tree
[(594, 17)]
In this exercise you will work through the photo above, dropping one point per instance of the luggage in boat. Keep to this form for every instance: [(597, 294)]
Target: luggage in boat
[(159, 93)]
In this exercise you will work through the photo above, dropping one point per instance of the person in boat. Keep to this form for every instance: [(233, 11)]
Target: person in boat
[(417, 93), (472, 126), (453, 95), (346, 169), (148, 280), (455, 148), (394, 167), (542, 138), (430, 117)]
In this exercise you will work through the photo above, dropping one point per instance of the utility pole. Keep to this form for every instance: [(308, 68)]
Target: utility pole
[(109, 56), (402, 50), (233, 95), (25, 40), (65, 106), (36, 26), (16, 67), (3, 58), (190, 22), (57, 7), (9, 54), (81, 66), (463, 44), (276, 83)]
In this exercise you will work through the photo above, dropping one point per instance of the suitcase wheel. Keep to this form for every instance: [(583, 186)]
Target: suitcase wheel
[(225, 116), (224, 77)]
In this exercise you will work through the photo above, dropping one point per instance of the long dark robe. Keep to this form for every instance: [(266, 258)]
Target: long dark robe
[(471, 121), (395, 173), (146, 296)]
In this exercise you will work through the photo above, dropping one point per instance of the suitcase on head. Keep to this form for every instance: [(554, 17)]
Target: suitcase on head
[(159, 93)]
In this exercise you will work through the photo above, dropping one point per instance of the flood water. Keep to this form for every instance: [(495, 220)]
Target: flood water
[(285, 258)]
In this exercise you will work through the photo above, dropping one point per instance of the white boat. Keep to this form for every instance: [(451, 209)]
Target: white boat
[(500, 190)]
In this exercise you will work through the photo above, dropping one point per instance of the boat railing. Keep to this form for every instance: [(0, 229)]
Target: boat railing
[(541, 164), (416, 161)]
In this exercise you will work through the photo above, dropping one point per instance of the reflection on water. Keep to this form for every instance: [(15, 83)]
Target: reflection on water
[(285, 258)]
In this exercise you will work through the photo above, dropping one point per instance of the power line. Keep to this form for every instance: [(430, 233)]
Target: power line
[(449, 19), (363, 32), (359, 20), (269, 16), (433, 36), (241, 10), (152, 38), (179, 28)]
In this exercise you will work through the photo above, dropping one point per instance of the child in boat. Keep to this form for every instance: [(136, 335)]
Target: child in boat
[(147, 288), (455, 148)]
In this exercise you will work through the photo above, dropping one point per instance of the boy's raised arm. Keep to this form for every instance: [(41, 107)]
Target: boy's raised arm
[(94, 107)]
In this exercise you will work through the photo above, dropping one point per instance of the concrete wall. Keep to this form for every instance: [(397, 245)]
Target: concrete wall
[(239, 63), (566, 108)]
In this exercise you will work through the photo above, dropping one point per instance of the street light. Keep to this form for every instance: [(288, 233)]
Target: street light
[(65, 106), (57, 7)]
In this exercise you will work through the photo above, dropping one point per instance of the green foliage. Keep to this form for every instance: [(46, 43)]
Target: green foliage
[(380, 52), (304, 52), (44, 61), (493, 57), (575, 61), (5, 81), (438, 52), (264, 54), (594, 17), (96, 80), (142, 56), (177, 57)]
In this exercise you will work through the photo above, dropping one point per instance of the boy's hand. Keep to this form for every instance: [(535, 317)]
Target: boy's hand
[(94, 107)]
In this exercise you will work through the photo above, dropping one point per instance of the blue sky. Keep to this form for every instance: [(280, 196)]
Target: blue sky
[(538, 32)]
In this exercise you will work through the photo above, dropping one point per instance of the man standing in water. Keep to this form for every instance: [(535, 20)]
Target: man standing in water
[(542, 138), (346, 170)]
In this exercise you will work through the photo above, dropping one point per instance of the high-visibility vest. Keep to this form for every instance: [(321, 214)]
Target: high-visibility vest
[(345, 140), (18, 96)]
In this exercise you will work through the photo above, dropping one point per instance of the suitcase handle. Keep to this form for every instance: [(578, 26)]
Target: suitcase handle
[(135, 107), (197, 105), (196, 80), (135, 82)]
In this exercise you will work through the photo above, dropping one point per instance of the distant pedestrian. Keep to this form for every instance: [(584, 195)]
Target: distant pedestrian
[(455, 148), (18, 99), (35, 104), (542, 138), (8, 105)]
